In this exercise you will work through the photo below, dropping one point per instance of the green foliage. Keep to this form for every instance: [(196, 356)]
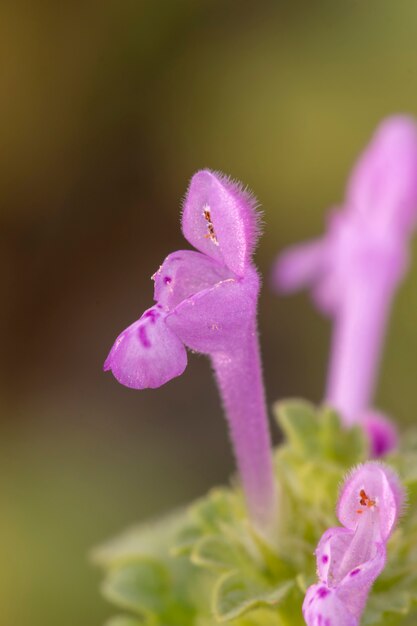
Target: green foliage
[(206, 565)]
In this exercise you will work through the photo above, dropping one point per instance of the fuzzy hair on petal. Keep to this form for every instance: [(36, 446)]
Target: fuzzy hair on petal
[(383, 485), (220, 219)]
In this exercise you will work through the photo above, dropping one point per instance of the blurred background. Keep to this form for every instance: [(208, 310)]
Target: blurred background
[(106, 109)]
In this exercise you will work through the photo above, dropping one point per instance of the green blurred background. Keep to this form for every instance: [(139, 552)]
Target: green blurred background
[(106, 109)]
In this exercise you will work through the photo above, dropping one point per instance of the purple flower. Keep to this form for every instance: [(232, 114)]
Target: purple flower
[(353, 271), (207, 301), (350, 558), (381, 433)]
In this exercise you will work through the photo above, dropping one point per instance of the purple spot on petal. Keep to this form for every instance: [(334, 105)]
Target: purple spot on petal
[(324, 558), (167, 280), (152, 314), (328, 622), (143, 336), (355, 571), (322, 592)]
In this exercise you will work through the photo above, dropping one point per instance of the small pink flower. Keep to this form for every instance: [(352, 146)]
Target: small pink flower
[(206, 300), (381, 433), (349, 558), (354, 269)]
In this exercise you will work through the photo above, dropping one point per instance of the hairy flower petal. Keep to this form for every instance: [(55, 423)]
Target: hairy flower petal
[(381, 486), (185, 273), (219, 218)]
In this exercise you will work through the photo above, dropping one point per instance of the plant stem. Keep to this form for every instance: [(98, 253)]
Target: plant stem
[(239, 377), (357, 341)]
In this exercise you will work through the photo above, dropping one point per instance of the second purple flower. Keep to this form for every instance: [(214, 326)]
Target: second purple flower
[(354, 270)]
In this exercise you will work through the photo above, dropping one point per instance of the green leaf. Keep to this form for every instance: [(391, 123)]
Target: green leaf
[(259, 617), (345, 446), (217, 553), (143, 540), (185, 539), (389, 605), (235, 594), (140, 587), (299, 422), (221, 507), (319, 435)]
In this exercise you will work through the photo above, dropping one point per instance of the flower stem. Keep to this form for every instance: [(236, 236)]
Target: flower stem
[(239, 377), (357, 341)]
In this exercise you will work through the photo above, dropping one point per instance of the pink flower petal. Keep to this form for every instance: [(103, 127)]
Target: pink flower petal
[(219, 219), (354, 588), (330, 552), (300, 266), (185, 273), (219, 318), (383, 185), (382, 433), (147, 353), (322, 607), (382, 486)]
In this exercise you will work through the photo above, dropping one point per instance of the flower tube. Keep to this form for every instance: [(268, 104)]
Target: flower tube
[(206, 300)]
